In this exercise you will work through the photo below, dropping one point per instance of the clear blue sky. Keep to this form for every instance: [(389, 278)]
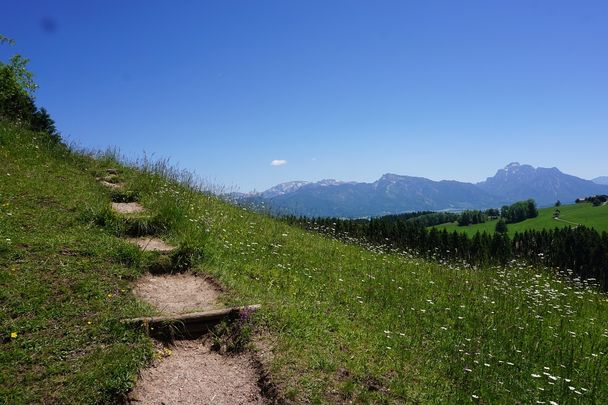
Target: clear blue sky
[(339, 89)]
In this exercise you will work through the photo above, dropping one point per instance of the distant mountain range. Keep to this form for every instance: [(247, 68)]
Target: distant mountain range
[(601, 180), (393, 194)]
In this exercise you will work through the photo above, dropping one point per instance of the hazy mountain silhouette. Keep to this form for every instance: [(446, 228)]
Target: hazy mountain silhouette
[(394, 193)]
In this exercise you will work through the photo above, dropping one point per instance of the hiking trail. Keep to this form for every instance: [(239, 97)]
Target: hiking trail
[(185, 369)]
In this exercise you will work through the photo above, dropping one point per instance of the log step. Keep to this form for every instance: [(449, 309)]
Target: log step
[(187, 326)]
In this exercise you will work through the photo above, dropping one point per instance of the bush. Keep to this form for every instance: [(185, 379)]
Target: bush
[(501, 226)]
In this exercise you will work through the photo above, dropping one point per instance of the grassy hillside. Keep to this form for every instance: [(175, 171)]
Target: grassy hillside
[(63, 284), (584, 214), (343, 322)]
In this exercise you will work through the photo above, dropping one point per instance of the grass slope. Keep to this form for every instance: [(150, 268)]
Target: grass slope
[(343, 322), (570, 215), (63, 286)]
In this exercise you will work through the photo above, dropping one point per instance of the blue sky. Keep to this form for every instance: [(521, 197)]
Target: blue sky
[(338, 89)]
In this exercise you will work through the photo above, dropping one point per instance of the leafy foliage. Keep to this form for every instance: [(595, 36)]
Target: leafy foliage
[(17, 103), (519, 211)]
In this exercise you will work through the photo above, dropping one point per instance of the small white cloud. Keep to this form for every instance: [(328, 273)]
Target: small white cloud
[(278, 162)]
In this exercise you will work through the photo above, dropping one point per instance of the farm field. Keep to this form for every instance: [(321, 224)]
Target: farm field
[(339, 322), (570, 215)]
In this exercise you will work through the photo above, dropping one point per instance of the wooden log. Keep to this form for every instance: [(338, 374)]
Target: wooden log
[(190, 325)]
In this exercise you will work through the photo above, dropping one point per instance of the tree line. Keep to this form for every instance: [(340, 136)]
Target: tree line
[(579, 251), (510, 214), (596, 200)]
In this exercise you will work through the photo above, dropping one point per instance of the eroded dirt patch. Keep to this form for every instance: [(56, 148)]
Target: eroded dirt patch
[(111, 185), (127, 208), (193, 374), (178, 293), (151, 244)]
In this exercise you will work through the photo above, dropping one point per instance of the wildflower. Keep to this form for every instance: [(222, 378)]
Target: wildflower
[(13, 335)]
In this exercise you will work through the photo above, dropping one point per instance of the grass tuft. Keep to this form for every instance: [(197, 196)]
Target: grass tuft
[(234, 336)]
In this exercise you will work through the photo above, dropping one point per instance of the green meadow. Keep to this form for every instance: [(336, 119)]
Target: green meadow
[(570, 215), (342, 322)]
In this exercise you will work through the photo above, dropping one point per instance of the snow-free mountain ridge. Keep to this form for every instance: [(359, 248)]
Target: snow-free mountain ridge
[(601, 180)]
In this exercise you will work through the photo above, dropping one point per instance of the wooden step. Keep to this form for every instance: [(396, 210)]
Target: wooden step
[(187, 326)]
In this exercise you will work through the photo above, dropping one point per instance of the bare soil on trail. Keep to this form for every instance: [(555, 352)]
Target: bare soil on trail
[(193, 374), (188, 371), (127, 208), (177, 294), (148, 244)]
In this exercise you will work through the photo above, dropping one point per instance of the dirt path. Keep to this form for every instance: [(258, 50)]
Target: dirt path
[(149, 244), (186, 371), (568, 222), (193, 374), (177, 294), (127, 208)]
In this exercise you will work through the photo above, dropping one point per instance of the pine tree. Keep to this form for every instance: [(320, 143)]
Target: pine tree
[(501, 226)]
